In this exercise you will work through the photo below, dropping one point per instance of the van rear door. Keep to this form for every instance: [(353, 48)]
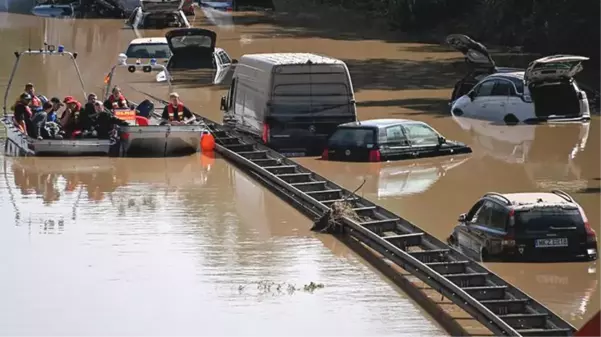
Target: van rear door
[(307, 103)]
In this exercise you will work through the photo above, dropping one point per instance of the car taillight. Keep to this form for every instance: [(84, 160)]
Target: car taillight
[(265, 136), (591, 235), (324, 154), (509, 238), (374, 155), (229, 9)]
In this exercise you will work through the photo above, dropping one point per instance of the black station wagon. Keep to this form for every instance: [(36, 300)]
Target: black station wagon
[(525, 227), (388, 139)]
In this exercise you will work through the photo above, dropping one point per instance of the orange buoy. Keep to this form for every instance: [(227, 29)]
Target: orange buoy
[(207, 142), (207, 159)]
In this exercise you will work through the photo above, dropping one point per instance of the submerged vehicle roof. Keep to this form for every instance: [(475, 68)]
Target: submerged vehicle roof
[(380, 123), (146, 40)]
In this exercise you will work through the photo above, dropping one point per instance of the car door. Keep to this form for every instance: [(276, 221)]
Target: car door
[(473, 236), (499, 97), (394, 144), (479, 99), (424, 140)]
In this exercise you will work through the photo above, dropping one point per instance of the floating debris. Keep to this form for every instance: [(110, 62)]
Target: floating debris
[(265, 288), (331, 221)]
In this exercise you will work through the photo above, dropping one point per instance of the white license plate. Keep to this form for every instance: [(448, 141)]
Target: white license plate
[(555, 242)]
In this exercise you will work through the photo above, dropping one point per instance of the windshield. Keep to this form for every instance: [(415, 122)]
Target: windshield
[(162, 20), (352, 137), (545, 218), (151, 50), (197, 41)]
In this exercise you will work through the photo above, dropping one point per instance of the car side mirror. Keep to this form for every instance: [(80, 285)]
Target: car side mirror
[(462, 217), (441, 140), (234, 61), (471, 95), (223, 104)]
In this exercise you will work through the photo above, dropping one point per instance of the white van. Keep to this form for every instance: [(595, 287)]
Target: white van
[(292, 101)]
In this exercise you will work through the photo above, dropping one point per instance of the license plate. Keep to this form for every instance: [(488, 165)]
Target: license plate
[(556, 242)]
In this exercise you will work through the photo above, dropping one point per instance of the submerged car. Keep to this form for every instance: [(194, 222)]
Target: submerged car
[(195, 57), (79, 9), (545, 91), (158, 15), (388, 139), (149, 48), (237, 5), (525, 226)]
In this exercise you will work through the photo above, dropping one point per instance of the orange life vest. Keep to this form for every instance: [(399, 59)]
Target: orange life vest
[(112, 99), (180, 111), (35, 101)]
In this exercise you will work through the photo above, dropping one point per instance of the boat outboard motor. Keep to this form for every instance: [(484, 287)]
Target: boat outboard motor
[(145, 108)]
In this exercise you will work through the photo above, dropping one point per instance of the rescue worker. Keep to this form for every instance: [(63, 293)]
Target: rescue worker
[(22, 113), (105, 121), (87, 113), (70, 121), (36, 102), (116, 100), (176, 113)]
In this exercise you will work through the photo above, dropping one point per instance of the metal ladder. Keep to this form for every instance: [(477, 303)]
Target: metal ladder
[(495, 303)]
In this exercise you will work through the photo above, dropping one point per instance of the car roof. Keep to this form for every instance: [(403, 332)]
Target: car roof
[(145, 40), (510, 75), (539, 199), (380, 123)]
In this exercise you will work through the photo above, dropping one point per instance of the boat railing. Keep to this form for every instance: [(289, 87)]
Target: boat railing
[(50, 50), (132, 68)]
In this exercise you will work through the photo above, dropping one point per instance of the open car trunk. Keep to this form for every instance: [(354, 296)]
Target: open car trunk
[(161, 5), (192, 48), (550, 80)]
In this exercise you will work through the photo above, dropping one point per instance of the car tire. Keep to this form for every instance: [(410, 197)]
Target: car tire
[(484, 257), (511, 119)]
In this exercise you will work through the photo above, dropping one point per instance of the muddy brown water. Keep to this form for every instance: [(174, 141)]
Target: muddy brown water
[(190, 245)]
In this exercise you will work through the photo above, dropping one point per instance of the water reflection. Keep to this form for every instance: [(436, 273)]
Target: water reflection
[(570, 289), (548, 153), (389, 180)]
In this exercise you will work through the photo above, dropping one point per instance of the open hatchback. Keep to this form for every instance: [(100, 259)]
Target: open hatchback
[(554, 92), (156, 6), (192, 48), (475, 52)]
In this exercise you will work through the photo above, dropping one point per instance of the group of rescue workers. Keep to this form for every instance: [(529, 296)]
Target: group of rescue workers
[(38, 117)]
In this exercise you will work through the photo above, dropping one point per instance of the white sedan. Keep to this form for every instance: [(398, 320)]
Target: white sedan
[(546, 91)]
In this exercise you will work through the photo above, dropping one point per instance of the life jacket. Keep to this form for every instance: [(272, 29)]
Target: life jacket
[(112, 99), (180, 111), (36, 102)]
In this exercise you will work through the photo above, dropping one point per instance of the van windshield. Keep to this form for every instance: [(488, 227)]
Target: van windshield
[(545, 218), (292, 108), (352, 137)]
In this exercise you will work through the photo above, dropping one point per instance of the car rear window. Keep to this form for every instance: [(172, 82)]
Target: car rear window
[(544, 218), (148, 50), (355, 137)]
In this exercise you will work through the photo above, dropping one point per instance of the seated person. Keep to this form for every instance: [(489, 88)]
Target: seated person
[(116, 100), (22, 113), (176, 113), (39, 121), (70, 120), (105, 121), (36, 101), (56, 104)]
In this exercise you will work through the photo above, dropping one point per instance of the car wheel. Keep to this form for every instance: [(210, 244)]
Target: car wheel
[(484, 257), (457, 112), (511, 119)]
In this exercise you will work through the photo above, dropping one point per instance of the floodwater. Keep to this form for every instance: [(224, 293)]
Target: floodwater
[(189, 245)]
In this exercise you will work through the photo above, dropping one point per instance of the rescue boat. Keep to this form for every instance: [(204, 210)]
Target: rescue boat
[(19, 143), (145, 136)]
